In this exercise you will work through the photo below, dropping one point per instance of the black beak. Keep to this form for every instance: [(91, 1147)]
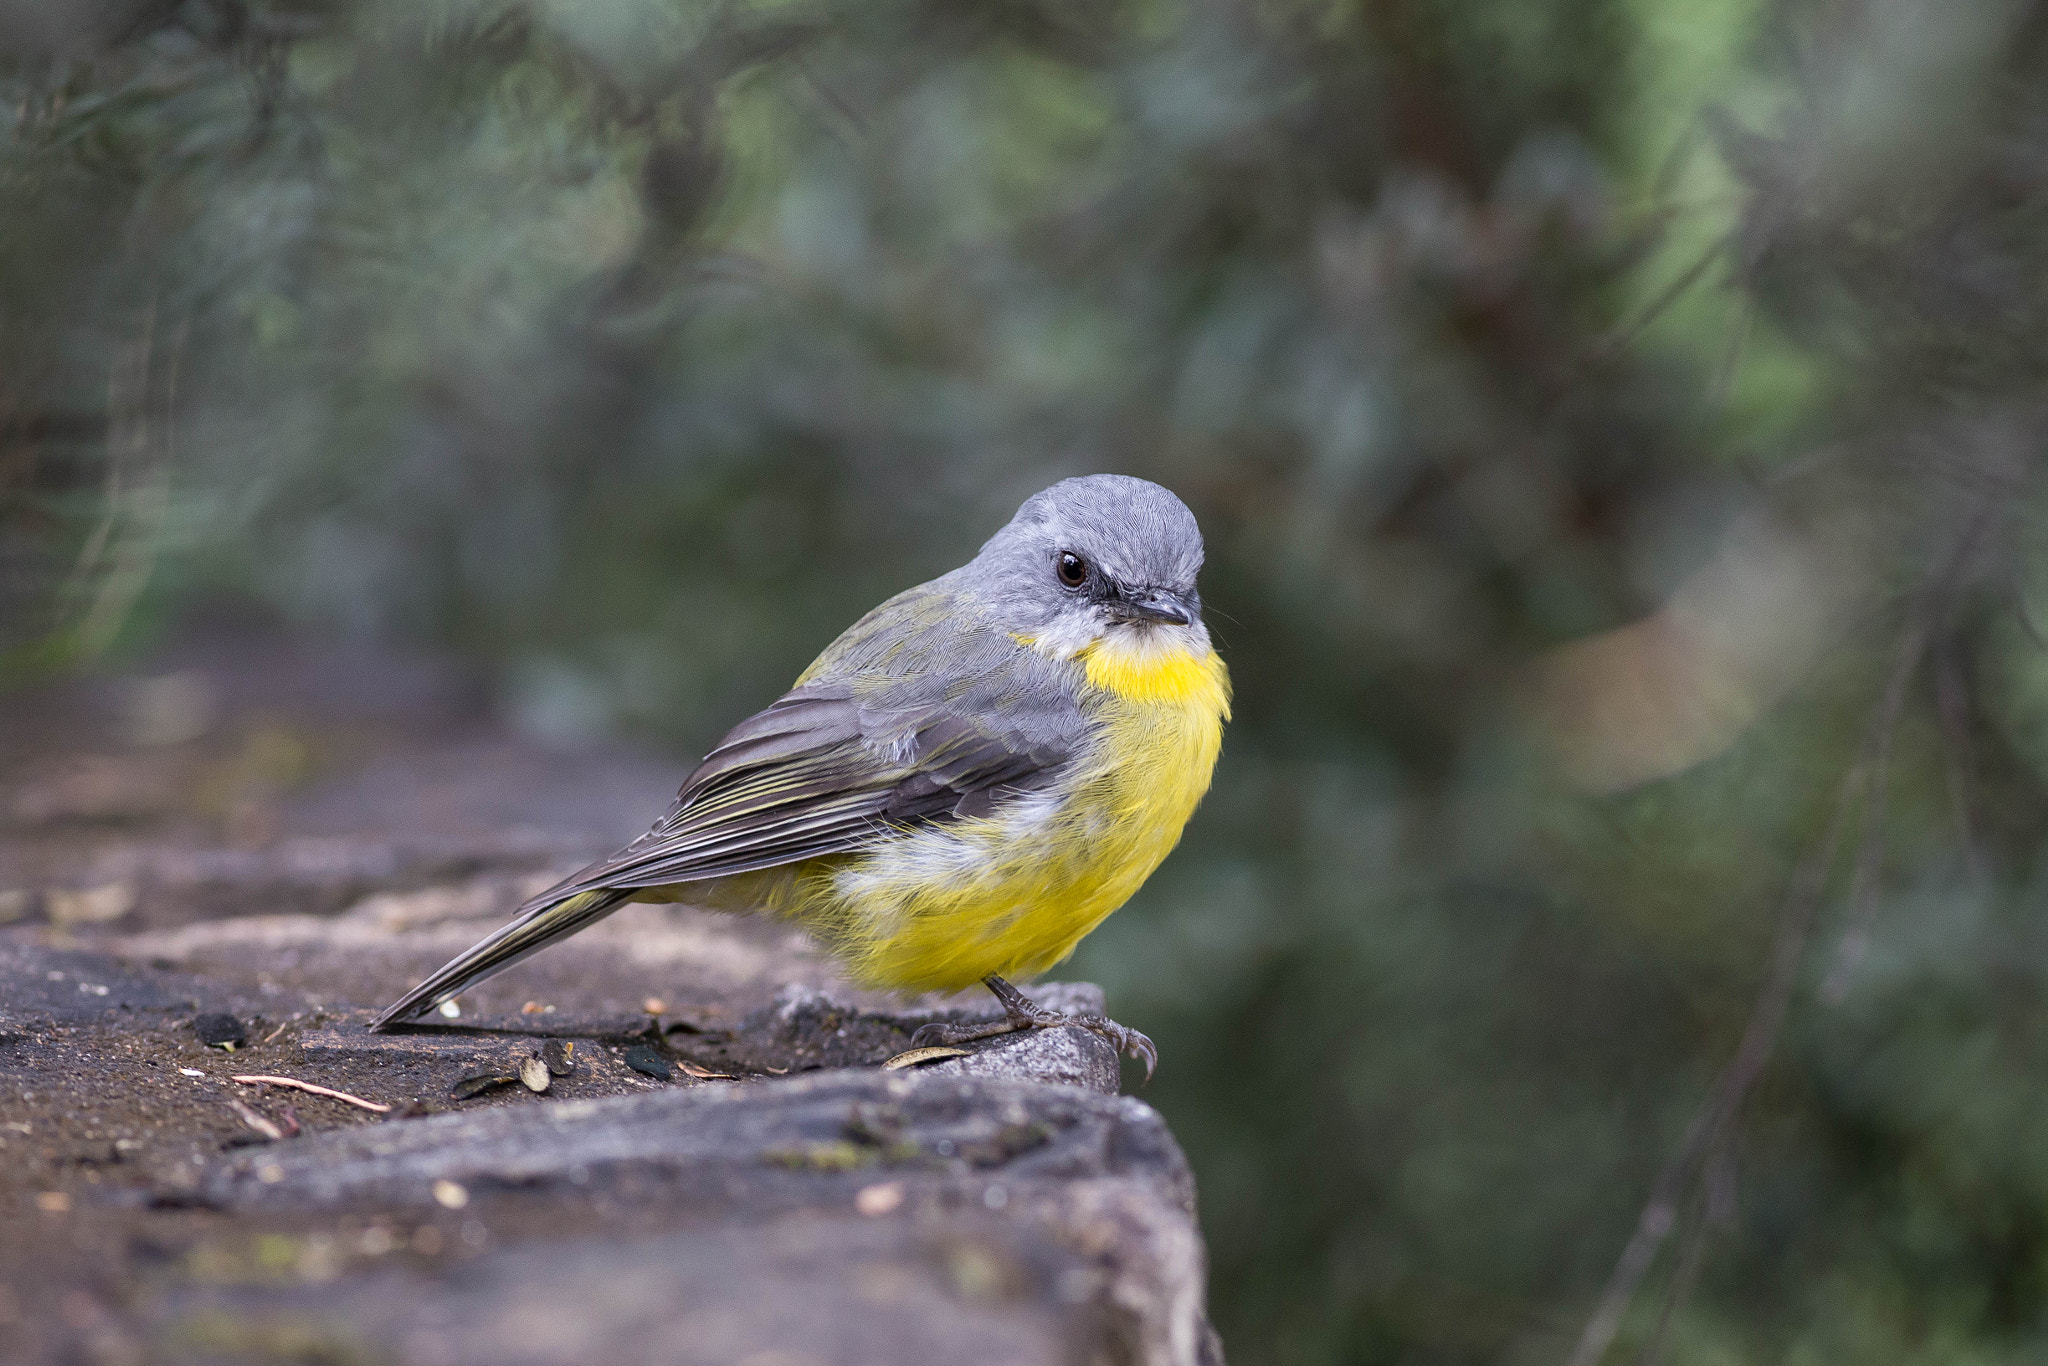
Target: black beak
[(1156, 605)]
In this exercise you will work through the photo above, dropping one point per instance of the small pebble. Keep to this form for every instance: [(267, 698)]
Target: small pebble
[(535, 1074), (219, 1030), (654, 1005), (450, 1194), (646, 1061), (560, 1056), (451, 1010), (875, 1201)]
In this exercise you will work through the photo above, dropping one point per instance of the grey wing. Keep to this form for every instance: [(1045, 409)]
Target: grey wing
[(821, 773), (921, 712), (815, 774)]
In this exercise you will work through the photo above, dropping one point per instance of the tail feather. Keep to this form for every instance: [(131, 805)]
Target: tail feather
[(537, 925)]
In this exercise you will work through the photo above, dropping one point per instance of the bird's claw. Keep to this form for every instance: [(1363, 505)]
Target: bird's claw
[(1021, 1015), (1123, 1039)]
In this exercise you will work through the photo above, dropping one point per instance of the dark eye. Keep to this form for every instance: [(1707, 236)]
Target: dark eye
[(1072, 569)]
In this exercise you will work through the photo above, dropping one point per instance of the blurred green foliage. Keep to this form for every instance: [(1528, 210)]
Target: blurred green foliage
[(1595, 407)]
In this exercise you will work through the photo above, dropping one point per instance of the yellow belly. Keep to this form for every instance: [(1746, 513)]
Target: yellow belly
[(940, 909)]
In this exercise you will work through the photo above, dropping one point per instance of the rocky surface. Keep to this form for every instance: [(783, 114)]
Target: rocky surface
[(716, 1169)]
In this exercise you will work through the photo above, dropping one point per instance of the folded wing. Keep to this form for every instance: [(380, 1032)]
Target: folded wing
[(821, 772)]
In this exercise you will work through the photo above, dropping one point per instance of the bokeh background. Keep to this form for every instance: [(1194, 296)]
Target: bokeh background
[(1617, 930)]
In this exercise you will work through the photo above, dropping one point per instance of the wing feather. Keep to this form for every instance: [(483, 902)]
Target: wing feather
[(818, 774)]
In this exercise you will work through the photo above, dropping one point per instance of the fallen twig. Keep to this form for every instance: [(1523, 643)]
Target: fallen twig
[(255, 1121), (316, 1090)]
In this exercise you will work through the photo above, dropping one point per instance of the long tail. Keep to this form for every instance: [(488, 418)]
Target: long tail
[(539, 923)]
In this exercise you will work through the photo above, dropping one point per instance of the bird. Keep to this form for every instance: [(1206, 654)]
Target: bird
[(963, 785)]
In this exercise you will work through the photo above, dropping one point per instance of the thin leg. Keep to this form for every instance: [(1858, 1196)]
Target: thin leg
[(1020, 1013)]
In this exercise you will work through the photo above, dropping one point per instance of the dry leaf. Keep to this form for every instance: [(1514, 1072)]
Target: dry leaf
[(917, 1056), (470, 1087), (704, 1074)]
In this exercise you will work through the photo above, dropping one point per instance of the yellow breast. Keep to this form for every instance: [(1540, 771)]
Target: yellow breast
[(1162, 714), (1014, 892), (1152, 676)]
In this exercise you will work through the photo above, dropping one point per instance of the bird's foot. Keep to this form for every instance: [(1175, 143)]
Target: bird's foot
[(1021, 1013)]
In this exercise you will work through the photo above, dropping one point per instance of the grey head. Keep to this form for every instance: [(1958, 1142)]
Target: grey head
[(1093, 557)]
